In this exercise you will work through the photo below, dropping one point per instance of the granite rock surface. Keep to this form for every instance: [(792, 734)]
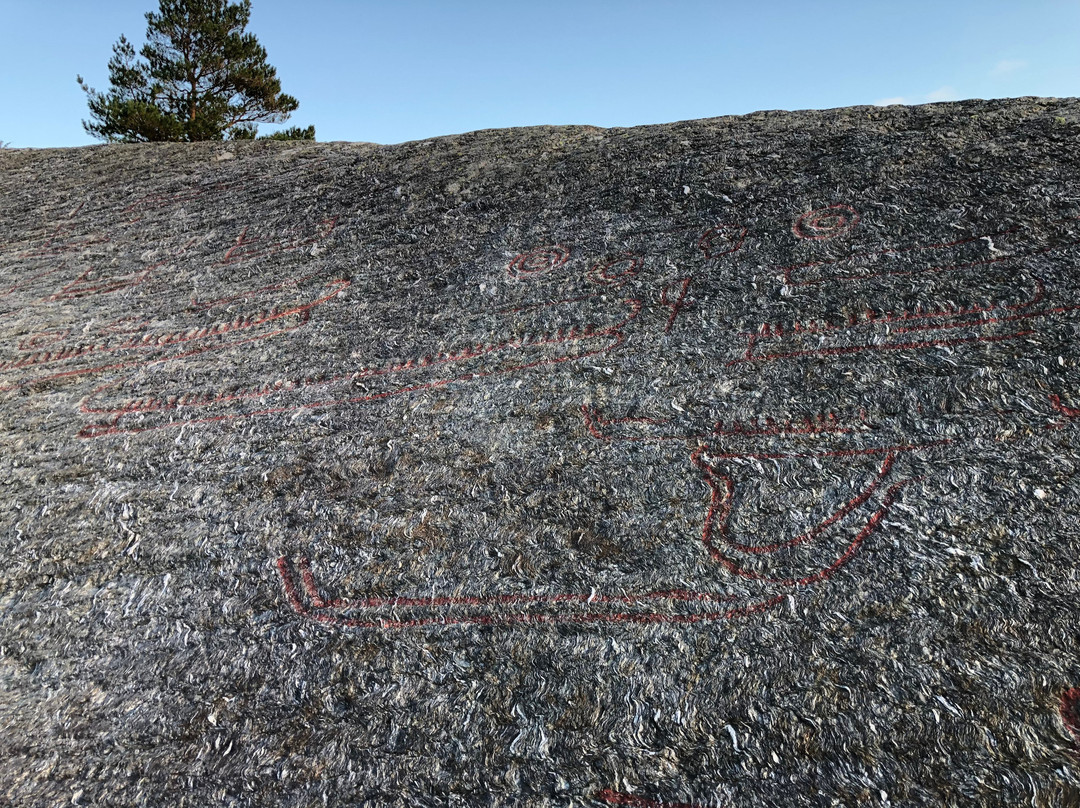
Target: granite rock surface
[(722, 463)]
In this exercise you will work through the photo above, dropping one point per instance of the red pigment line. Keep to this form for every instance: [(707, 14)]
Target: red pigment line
[(705, 243), (266, 389), (600, 274), (711, 478), (935, 269), (676, 305), (787, 270), (853, 349), (304, 319), (80, 286), (294, 595), (31, 280), (621, 798), (1069, 412), (149, 341), (47, 250), (593, 424), (720, 511), (322, 230), (844, 224), (304, 313), (99, 430), (366, 373), (538, 261), (776, 330)]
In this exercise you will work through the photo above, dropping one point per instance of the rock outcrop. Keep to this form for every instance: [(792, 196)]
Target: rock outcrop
[(728, 463)]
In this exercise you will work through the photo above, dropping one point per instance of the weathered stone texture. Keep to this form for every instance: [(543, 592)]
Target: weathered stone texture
[(728, 462)]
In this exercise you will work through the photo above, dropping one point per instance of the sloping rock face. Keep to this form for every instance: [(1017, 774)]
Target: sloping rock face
[(724, 463)]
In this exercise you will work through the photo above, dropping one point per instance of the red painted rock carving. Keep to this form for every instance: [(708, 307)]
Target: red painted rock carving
[(579, 339), (304, 594), (538, 261), (127, 343), (994, 247), (250, 246), (722, 240), (826, 223), (926, 327), (616, 271), (674, 297)]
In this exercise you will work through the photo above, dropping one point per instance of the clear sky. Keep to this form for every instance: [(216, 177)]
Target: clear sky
[(394, 70)]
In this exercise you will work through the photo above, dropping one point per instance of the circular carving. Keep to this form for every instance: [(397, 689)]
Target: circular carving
[(826, 223), (721, 240), (538, 261), (617, 270)]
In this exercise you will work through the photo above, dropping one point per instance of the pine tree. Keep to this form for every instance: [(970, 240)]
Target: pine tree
[(200, 78)]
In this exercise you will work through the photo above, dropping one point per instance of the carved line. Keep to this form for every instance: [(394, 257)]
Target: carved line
[(678, 303), (723, 234), (600, 273), (718, 517), (574, 334), (303, 594), (236, 253), (869, 316), (294, 595), (820, 224), (749, 356), (303, 312), (788, 271), (823, 423), (538, 261)]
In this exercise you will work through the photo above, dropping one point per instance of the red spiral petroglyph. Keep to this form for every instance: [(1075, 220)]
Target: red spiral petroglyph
[(538, 261), (826, 223)]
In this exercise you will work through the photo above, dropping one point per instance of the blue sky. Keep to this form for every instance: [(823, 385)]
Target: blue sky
[(409, 69)]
